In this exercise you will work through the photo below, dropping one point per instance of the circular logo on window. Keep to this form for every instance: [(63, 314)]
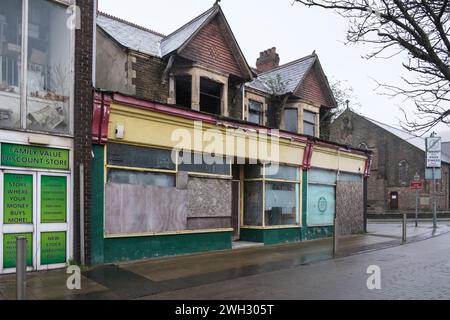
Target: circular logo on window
[(322, 204)]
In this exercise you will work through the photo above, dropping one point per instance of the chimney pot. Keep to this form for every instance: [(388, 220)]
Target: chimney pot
[(268, 60)]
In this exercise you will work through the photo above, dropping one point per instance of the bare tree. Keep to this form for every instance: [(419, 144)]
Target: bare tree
[(418, 27)]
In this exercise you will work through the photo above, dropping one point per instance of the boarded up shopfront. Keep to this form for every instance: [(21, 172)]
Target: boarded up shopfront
[(35, 204)]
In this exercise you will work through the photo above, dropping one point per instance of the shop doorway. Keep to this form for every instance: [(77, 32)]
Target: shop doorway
[(34, 205)]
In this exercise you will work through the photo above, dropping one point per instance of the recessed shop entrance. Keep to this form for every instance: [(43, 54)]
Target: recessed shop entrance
[(34, 205)]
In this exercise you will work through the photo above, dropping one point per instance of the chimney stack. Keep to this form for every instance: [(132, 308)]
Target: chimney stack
[(268, 60)]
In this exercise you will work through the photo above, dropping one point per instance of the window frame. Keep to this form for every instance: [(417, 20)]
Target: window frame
[(263, 180), (314, 124), (284, 116), (23, 94), (260, 113)]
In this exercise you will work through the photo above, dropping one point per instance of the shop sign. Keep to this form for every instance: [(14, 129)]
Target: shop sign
[(14, 155), (53, 199), (53, 248), (9, 249), (17, 198)]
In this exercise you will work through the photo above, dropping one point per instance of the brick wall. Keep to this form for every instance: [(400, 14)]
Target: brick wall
[(313, 90), (388, 151), (83, 121), (148, 81)]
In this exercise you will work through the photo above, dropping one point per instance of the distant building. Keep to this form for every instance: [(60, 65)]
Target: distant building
[(397, 157)]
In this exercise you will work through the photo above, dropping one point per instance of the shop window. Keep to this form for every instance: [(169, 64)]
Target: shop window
[(48, 70), (183, 87), (321, 200), (291, 119), (309, 123), (209, 164), (255, 112), (281, 196), (210, 96), (139, 157), (10, 56), (281, 203), (253, 203), (141, 178)]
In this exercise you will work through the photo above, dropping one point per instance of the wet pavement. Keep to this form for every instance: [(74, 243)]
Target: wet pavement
[(260, 272)]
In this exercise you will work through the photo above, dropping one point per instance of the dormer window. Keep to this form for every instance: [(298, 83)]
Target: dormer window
[(309, 123), (255, 112), (183, 87), (210, 96), (291, 119)]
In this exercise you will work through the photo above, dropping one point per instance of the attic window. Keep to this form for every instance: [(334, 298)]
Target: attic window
[(183, 87), (210, 96), (255, 112)]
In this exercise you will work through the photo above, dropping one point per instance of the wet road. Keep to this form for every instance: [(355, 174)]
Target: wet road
[(419, 270)]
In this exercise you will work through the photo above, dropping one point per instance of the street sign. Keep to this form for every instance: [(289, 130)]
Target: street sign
[(433, 146), (429, 173), (416, 185)]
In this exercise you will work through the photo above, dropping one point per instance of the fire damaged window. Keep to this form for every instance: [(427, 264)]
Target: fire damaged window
[(291, 119), (204, 163), (45, 61), (183, 87), (309, 123), (141, 178), (255, 112), (210, 96)]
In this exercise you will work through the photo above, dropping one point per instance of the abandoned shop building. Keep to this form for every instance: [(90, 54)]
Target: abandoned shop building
[(43, 133), (398, 156), (162, 99)]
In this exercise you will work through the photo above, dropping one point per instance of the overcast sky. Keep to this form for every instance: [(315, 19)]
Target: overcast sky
[(295, 31)]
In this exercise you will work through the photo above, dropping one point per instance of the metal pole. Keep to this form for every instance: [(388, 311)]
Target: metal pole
[(82, 256), (335, 237), (434, 200), (404, 228), (417, 208), (21, 268)]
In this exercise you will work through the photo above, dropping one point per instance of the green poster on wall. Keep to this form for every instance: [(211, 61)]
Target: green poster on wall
[(9, 249), (53, 248), (15, 155), (53, 199), (17, 198)]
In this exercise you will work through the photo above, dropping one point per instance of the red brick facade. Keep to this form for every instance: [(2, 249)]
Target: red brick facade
[(210, 48), (313, 89)]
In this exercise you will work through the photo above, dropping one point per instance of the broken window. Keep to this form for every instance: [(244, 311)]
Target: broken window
[(210, 96), (309, 123), (10, 56), (183, 87), (255, 112), (49, 74), (291, 119)]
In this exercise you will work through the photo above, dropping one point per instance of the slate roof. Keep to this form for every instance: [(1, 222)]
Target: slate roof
[(416, 141), (292, 74), (147, 41)]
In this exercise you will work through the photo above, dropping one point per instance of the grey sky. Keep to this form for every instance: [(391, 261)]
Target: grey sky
[(295, 30)]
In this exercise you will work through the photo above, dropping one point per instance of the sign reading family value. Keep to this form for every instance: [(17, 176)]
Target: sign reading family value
[(15, 155), (17, 198), (53, 199)]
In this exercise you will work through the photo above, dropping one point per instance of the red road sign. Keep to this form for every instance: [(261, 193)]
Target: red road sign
[(416, 185)]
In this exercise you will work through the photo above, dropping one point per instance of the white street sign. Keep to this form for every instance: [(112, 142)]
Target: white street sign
[(433, 145)]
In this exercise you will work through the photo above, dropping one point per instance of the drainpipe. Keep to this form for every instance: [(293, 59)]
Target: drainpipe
[(243, 102)]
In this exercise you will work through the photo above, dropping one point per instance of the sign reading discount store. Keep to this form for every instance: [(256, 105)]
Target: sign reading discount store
[(15, 155)]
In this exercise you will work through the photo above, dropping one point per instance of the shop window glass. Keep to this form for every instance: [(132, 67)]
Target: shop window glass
[(141, 178), (253, 202), (210, 164), (281, 204), (10, 61), (321, 205), (253, 171), (49, 76), (140, 157), (282, 173)]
